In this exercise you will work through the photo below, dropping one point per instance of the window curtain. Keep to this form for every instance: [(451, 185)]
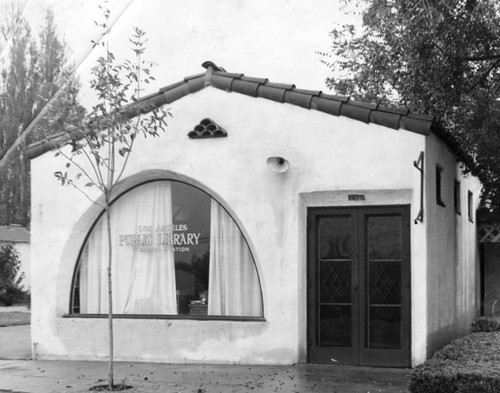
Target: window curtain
[(233, 287), (143, 271)]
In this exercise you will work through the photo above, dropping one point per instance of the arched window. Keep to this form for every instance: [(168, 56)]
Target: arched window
[(176, 251)]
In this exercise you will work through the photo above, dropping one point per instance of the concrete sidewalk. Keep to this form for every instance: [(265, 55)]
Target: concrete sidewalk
[(71, 376), (29, 376)]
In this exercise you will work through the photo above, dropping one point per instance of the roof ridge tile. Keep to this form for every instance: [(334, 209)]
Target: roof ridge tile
[(356, 112), (400, 110), (235, 75), (362, 104), (285, 86), (334, 97), (175, 92), (311, 92), (221, 81), (172, 86), (187, 78), (326, 105), (295, 97), (421, 116), (255, 80), (386, 119), (217, 77), (271, 92), (196, 83), (245, 87)]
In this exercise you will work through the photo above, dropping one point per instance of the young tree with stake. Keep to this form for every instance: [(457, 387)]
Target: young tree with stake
[(97, 151)]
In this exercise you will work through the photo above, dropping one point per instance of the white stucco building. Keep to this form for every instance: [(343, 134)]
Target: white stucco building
[(268, 225)]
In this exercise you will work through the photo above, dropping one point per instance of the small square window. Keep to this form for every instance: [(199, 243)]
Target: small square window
[(456, 197), (439, 190), (470, 206)]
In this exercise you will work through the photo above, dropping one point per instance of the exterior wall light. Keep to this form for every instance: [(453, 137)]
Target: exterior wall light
[(277, 164)]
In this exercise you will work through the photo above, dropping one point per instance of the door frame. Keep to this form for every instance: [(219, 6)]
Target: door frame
[(356, 355)]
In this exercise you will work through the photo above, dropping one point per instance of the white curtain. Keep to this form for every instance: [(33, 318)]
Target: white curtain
[(233, 287), (143, 269)]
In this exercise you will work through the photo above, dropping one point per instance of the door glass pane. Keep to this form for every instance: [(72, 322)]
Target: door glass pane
[(385, 282), (334, 278), (384, 237), (335, 237), (384, 251), (335, 325), (385, 327), (335, 281)]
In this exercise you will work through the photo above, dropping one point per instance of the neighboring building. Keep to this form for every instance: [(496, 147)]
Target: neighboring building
[(489, 242), (19, 237), (268, 225)]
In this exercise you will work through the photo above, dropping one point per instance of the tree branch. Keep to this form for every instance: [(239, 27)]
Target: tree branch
[(96, 169), (70, 159), (86, 195), (494, 56), (129, 151), (485, 75)]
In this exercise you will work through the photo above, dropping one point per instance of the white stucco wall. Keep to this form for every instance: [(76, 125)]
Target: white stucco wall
[(452, 250), (328, 155)]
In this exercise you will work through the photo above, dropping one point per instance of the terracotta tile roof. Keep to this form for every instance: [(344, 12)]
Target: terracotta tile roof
[(218, 78), (14, 234)]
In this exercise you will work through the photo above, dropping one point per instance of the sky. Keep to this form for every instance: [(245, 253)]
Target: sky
[(277, 39)]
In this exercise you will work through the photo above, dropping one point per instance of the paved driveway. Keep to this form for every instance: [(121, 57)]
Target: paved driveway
[(15, 341)]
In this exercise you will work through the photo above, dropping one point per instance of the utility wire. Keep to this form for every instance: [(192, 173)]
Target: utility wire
[(27, 130)]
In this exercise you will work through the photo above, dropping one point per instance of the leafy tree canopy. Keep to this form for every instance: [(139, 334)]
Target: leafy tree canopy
[(10, 280), (438, 57), (33, 69)]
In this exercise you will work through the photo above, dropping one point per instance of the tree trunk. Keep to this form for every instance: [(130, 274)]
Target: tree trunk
[(110, 296)]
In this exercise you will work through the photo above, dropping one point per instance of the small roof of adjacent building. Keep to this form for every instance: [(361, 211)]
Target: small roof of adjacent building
[(13, 233), (217, 77)]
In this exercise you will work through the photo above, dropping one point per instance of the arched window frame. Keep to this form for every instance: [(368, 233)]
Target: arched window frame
[(121, 194)]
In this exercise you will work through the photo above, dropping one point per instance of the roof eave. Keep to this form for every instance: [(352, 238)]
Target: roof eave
[(218, 78)]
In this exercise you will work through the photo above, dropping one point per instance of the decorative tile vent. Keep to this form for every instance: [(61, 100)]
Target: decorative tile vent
[(207, 129)]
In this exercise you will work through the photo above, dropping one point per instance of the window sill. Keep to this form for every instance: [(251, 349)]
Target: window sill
[(181, 317)]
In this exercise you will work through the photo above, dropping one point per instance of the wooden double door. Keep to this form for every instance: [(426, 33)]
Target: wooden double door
[(359, 286)]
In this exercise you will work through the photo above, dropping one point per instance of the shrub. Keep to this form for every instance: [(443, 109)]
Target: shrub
[(486, 324), (10, 279), (469, 364)]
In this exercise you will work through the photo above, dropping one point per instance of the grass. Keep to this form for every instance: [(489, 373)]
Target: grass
[(11, 318)]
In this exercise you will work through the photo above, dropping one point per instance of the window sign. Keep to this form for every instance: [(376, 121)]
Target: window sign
[(150, 239), (176, 251)]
